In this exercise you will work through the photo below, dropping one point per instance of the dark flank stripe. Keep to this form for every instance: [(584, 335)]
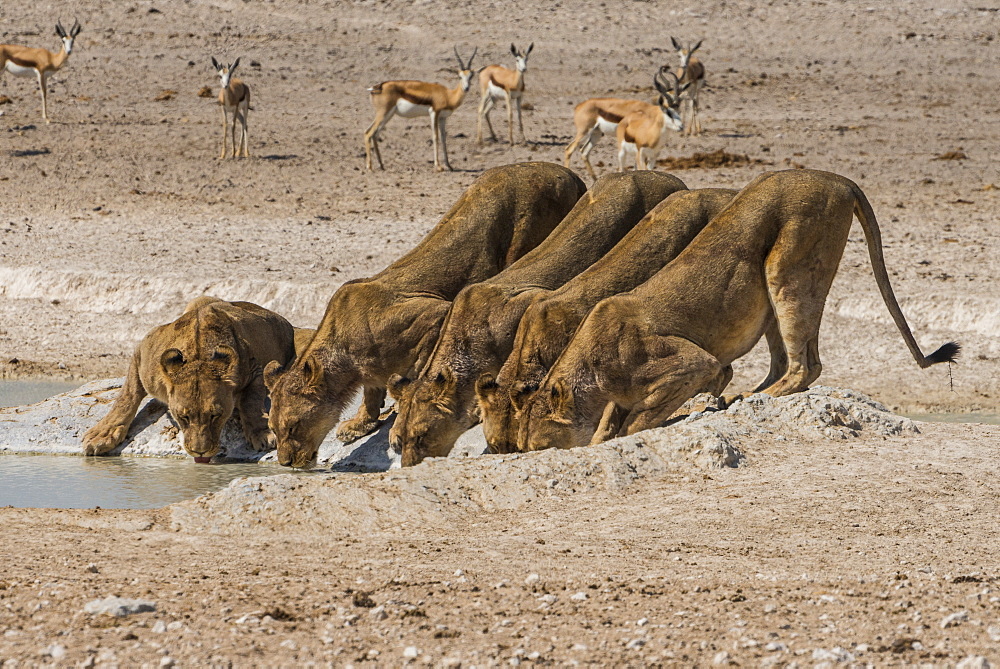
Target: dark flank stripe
[(416, 99), (495, 82), (608, 116), (19, 62)]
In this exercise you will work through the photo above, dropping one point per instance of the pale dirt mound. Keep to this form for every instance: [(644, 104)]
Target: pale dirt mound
[(440, 492), (711, 160)]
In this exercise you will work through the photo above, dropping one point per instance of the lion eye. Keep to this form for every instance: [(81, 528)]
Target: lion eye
[(183, 420)]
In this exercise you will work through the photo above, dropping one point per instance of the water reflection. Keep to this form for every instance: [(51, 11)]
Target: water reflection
[(69, 482), (19, 393)]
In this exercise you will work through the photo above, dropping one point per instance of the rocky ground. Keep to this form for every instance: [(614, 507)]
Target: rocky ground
[(813, 551)]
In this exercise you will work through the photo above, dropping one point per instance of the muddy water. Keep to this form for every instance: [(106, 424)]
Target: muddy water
[(77, 482), (19, 393), (984, 418)]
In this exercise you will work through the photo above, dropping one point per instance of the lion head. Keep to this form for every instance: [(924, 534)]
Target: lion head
[(201, 394), (301, 412), (429, 420), (549, 419)]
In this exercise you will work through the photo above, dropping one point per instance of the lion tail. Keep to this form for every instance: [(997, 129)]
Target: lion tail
[(866, 216)]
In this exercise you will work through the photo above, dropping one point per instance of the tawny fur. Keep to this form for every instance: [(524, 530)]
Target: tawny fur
[(549, 323), (440, 404), (202, 366), (763, 266), (388, 324)]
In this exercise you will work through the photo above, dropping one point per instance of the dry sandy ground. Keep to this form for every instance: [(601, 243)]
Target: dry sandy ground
[(116, 214)]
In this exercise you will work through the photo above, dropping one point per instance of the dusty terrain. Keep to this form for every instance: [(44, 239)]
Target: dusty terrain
[(116, 214)]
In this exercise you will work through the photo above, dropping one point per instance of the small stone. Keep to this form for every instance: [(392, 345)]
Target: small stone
[(579, 647), (167, 661), (994, 632), (159, 627), (411, 652), (459, 572), (642, 621), (770, 608), (378, 613), (532, 579), (579, 597), (836, 654), (118, 606), (635, 644), (56, 651), (372, 654), (776, 646), (973, 662), (174, 626), (92, 568), (722, 657), (954, 619), (534, 655), (501, 584)]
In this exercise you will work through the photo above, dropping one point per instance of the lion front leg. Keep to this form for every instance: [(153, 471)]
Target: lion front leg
[(367, 418), (110, 431), (252, 417)]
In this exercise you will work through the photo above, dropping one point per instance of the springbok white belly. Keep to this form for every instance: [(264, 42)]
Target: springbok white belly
[(605, 126), (497, 93), (18, 70), (407, 109)]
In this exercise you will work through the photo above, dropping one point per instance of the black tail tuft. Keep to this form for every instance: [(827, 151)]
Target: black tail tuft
[(946, 353)]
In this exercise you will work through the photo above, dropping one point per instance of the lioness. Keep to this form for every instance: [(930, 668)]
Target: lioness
[(201, 366), (387, 324), (549, 323), (479, 330), (763, 265)]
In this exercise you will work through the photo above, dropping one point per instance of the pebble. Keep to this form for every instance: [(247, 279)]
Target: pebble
[(722, 657), (642, 621), (579, 597), (635, 644), (160, 627), (56, 651), (378, 613), (167, 661), (174, 626), (954, 619), (994, 632), (776, 646), (119, 606), (973, 662), (836, 654), (411, 652), (92, 568), (532, 579), (501, 584)]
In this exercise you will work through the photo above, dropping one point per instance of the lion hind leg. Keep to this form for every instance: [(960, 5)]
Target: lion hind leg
[(779, 357), (111, 430), (367, 418), (686, 371)]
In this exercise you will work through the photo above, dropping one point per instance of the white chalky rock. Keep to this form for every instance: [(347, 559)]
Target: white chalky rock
[(994, 632), (973, 662), (56, 651), (579, 597), (118, 606), (160, 627), (411, 652), (378, 613), (720, 658), (837, 654), (532, 579), (954, 619)]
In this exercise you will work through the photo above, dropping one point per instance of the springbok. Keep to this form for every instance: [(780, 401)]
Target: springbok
[(22, 61), (234, 98), (644, 131), (692, 73), (495, 82), (411, 99), (593, 119)]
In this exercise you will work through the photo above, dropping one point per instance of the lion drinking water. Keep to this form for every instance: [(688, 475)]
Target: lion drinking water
[(763, 266)]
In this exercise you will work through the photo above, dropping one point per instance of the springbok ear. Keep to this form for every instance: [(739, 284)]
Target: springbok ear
[(562, 399), (530, 47), (519, 394), (485, 387), (312, 370), (233, 67), (513, 50), (215, 64), (171, 360), (396, 384), (272, 372), (695, 47)]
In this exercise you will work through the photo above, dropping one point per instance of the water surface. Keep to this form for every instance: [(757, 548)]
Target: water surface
[(77, 482), (21, 392)]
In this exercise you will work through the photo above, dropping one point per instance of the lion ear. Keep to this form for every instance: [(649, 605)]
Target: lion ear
[(445, 381), (562, 399), (486, 386), (227, 356), (272, 372), (519, 394), (171, 360), (396, 385), (312, 370)]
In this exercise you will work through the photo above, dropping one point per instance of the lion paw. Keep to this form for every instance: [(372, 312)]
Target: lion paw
[(262, 441), (354, 429), (102, 439)]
